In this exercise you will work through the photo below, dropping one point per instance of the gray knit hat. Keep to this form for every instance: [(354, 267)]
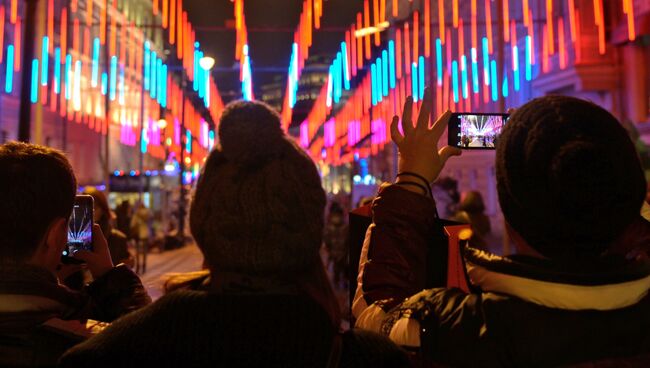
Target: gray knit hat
[(258, 207)]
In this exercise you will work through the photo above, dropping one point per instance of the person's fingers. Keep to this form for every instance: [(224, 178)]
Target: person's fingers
[(446, 152), (440, 125), (395, 134), (99, 240), (425, 111), (84, 255), (407, 123)]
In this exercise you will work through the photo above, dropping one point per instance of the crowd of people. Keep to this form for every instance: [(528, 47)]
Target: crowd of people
[(574, 292)]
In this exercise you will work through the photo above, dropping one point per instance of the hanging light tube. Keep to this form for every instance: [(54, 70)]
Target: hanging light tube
[(515, 67), (407, 49), (44, 60), (414, 82), (421, 83), (95, 63), (17, 44), (391, 58), (427, 28), (529, 68), (572, 19), (398, 53), (475, 82), (68, 77), (495, 84), (486, 62), (441, 19), (549, 27), (439, 61), (384, 67), (9, 74), (506, 20), (113, 84), (57, 71), (34, 90), (454, 77), (416, 35), (488, 24), (463, 71)]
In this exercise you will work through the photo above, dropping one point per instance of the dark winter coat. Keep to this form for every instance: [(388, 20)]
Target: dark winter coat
[(524, 312), (191, 328), (40, 318)]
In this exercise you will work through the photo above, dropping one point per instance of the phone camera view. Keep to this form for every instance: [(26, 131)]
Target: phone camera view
[(479, 131), (80, 229)]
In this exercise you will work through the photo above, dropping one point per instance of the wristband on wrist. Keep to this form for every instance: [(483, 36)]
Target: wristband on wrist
[(426, 185), (425, 192)]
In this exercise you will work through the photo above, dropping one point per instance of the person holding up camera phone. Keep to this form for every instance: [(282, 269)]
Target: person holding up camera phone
[(571, 187), (40, 317)]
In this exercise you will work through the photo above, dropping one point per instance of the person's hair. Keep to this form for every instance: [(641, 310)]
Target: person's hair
[(37, 186), (568, 177), (472, 202), (101, 202)]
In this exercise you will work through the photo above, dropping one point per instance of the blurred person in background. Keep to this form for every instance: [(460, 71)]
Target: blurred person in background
[(117, 241), (472, 211), (335, 239)]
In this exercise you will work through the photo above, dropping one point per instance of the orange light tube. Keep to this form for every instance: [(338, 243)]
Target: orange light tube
[(513, 33), (531, 33), (2, 32), (382, 10), (317, 9), (14, 11), (50, 25), (488, 24), (526, 9), (474, 25), (64, 33), (506, 20), (628, 9), (353, 46), (366, 21), (572, 19), (441, 20), (549, 27), (155, 7), (416, 36), (461, 39), (545, 64), (455, 13), (599, 18), (89, 12), (398, 53), (375, 13), (73, 6), (407, 49), (578, 44), (395, 9), (165, 14), (359, 41), (427, 28), (561, 41), (172, 22), (102, 23), (75, 35), (181, 26)]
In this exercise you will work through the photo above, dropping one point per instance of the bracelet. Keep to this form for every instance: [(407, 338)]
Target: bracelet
[(418, 176), (424, 189)]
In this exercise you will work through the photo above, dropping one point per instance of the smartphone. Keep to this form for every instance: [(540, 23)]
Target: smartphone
[(469, 130), (80, 228)]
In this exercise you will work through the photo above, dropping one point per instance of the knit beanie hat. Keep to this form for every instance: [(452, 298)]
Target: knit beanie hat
[(568, 177), (258, 205)]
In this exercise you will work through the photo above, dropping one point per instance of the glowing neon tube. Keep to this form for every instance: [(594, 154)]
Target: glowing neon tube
[(379, 74), (345, 65), (76, 95), (44, 60), (454, 78), (95, 66), (439, 61), (34, 93), (463, 70), (154, 80), (414, 82), (113, 86), (529, 68), (373, 83), (68, 74), (421, 84), (104, 84), (475, 83), (121, 88), (9, 76), (384, 67), (505, 86), (391, 57), (495, 84), (57, 70), (486, 62), (515, 67), (146, 66)]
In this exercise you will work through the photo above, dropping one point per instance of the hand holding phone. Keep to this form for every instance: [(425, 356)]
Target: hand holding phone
[(475, 130), (80, 228)]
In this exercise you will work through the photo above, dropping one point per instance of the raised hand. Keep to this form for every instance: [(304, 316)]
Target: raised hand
[(418, 147)]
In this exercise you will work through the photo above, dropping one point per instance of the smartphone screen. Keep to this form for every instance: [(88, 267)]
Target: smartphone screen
[(475, 130), (80, 226)]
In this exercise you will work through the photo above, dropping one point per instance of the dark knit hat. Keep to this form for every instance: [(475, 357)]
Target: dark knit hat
[(258, 206), (568, 177)]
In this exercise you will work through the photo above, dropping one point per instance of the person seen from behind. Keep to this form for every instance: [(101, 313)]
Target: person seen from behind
[(571, 188), (335, 239), (257, 216), (472, 211), (39, 317)]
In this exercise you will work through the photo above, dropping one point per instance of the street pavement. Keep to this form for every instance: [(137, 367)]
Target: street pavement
[(161, 264)]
